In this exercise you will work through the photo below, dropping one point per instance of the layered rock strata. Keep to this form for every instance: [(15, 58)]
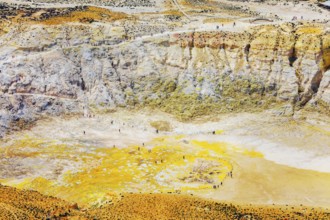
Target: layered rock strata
[(75, 68)]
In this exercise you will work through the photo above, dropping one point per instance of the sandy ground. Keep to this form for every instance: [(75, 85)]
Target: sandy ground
[(294, 168), (300, 143)]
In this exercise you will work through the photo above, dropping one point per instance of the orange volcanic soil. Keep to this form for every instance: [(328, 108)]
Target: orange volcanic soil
[(25, 204)]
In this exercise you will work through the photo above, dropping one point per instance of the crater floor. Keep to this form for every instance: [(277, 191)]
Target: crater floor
[(198, 60), (251, 158)]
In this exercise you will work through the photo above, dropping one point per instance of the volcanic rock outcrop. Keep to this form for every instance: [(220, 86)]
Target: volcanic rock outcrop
[(76, 68)]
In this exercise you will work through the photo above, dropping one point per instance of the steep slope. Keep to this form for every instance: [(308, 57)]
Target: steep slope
[(22, 204), (80, 67)]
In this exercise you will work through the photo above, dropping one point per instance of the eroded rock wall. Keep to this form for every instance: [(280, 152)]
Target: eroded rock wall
[(73, 68)]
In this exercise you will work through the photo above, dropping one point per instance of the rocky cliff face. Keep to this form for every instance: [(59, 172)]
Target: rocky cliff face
[(74, 68)]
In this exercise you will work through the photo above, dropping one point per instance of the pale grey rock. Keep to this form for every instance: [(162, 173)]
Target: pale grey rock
[(66, 69)]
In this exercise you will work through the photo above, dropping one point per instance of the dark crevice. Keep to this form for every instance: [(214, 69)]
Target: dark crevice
[(83, 86), (247, 51), (293, 53), (316, 81), (192, 44), (292, 56)]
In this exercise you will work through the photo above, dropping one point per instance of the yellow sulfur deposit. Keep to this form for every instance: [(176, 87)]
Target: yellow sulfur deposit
[(167, 165)]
